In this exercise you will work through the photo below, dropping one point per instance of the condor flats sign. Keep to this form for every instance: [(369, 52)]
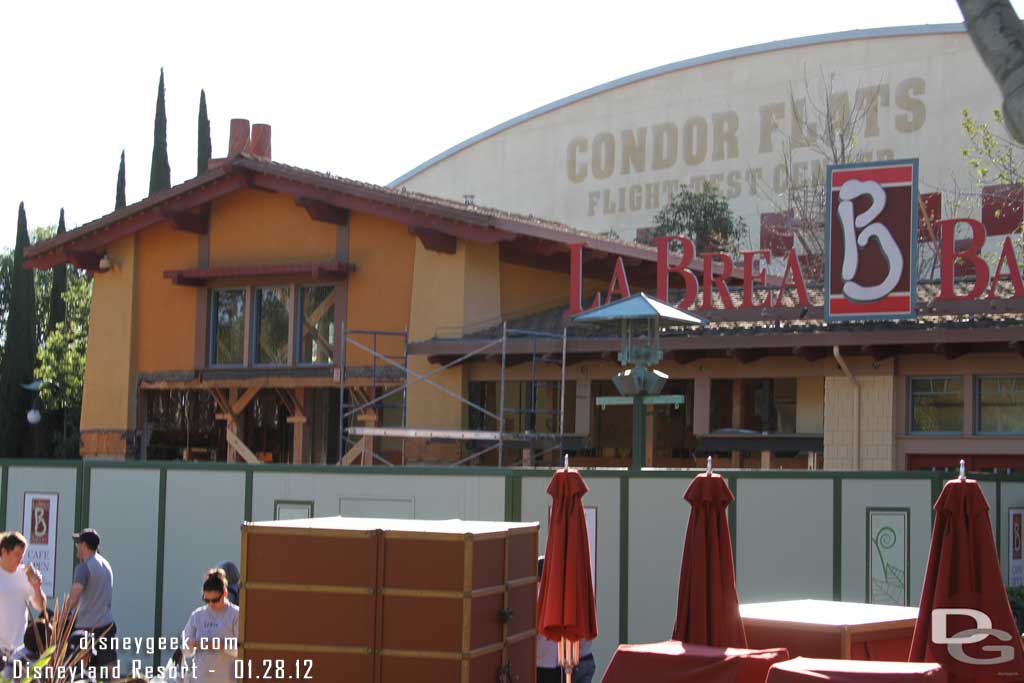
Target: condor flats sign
[(870, 257)]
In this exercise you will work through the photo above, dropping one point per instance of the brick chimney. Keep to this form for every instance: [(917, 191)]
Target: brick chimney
[(242, 139), (238, 138), (259, 143)]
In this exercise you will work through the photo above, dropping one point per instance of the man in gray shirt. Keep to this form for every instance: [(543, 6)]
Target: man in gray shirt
[(92, 593)]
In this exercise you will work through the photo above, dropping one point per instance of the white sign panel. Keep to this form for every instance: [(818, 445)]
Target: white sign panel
[(40, 528), (1016, 549)]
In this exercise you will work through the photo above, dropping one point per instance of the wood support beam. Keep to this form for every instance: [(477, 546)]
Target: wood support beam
[(746, 355), (951, 351), (239, 405), (684, 357), (880, 353), (322, 211), (434, 240), (186, 221), (86, 260), (811, 353), (1017, 347)]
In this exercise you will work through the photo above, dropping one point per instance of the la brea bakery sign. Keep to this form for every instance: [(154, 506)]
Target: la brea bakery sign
[(870, 256)]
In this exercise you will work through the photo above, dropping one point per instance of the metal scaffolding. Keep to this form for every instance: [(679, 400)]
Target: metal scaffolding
[(352, 436)]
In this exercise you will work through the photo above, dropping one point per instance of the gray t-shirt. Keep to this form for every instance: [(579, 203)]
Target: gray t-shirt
[(213, 629), (94, 605)]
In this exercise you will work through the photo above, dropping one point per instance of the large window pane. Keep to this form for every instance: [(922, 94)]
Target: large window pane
[(228, 344), (936, 405), (1001, 405), (317, 335), (272, 308)]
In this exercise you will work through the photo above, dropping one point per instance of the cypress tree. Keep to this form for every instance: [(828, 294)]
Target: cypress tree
[(119, 200), (160, 170), (58, 309), (19, 350), (205, 147)]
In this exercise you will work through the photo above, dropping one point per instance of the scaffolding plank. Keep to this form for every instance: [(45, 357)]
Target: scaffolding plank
[(414, 433)]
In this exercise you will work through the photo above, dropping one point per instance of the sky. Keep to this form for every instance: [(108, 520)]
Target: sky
[(361, 90)]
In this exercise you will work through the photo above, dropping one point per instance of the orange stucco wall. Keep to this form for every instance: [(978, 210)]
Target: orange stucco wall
[(165, 313), (380, 289), (526, 290), (252, 227)]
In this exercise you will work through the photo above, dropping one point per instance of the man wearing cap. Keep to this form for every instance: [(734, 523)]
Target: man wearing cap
[(92, 593), (20, 586)]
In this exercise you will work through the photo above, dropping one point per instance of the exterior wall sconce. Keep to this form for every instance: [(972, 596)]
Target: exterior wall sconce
[(105, 263)]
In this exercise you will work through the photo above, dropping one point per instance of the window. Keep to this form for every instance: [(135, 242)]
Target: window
[(1000, 405), (272, 306), (316, 332), (228, 311), (936, 405)]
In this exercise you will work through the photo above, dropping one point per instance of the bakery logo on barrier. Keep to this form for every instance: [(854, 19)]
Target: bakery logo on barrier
[(39, 533), (983, 630), (871, 240)]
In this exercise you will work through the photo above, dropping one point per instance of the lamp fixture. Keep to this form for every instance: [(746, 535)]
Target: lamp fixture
[(34, 416), (104, 264)]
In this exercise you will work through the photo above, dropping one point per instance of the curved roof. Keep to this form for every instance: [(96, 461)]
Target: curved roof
[(858, 34)]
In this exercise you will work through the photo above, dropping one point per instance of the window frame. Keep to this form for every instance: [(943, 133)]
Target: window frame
[(296, 330), (977, 405), (910, 405), (211, 342), (253, 326)]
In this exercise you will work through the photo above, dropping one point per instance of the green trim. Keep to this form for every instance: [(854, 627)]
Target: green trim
[(161, 530), (999, 523), (937, 484), (732, 511), (79, 503), (624, 559), (248, 496), (867, 556), (3, 496), (86, 496), (513, 497), (279, 501), (837, 539)]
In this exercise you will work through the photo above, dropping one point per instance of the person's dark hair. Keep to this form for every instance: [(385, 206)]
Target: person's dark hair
[(216, 580), (12, 540), (38, 634)]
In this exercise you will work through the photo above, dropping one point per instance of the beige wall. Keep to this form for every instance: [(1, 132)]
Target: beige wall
[(810, 405), (872, 437)]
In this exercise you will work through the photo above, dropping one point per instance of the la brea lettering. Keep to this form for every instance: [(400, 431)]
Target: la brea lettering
[(676, 270)]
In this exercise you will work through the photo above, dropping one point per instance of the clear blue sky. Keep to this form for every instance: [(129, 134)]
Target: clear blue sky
[(362, 90)]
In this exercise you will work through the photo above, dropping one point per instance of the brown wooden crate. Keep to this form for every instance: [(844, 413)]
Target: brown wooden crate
[(488, 562), (413, 669), (303, 618), (485, 621), (485, 668), (522, 555), (430, 624), (523, 602), (425, 564), (328, 667), (523, 658), (317, 559)]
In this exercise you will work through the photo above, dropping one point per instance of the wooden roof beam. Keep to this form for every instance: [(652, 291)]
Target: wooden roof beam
[(1018, 347), (186, 221), (879, 353), (811, 353), (685, 357), (322, 211), (434, 240), (746, 355), (951, 351)]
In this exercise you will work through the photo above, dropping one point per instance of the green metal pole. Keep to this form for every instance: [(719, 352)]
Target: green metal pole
[(639, 433)]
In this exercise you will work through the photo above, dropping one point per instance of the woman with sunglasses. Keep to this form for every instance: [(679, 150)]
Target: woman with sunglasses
[(211, 634)]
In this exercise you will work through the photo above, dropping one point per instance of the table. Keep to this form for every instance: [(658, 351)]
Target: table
[(804, 670), (836, 630), (674, 662)]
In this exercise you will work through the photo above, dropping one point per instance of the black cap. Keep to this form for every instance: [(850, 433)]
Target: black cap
[(90, 537)]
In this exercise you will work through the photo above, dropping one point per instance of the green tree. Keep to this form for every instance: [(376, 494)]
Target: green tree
[(19, 348), (994, 158), (704, 217), (160, 169), (119, 199), (205, 146), (59, 284)]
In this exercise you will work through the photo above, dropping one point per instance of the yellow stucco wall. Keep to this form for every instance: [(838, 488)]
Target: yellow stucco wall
[(108, 361), (810, 405), (482, 303), (251, 227), (165, 317), (380, 290)]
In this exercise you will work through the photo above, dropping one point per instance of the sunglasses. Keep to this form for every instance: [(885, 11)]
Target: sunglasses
[(212, 600)]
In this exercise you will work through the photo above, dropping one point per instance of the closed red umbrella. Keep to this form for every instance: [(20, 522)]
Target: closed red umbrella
[(708, 610), (964, 621), (565, 608)]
